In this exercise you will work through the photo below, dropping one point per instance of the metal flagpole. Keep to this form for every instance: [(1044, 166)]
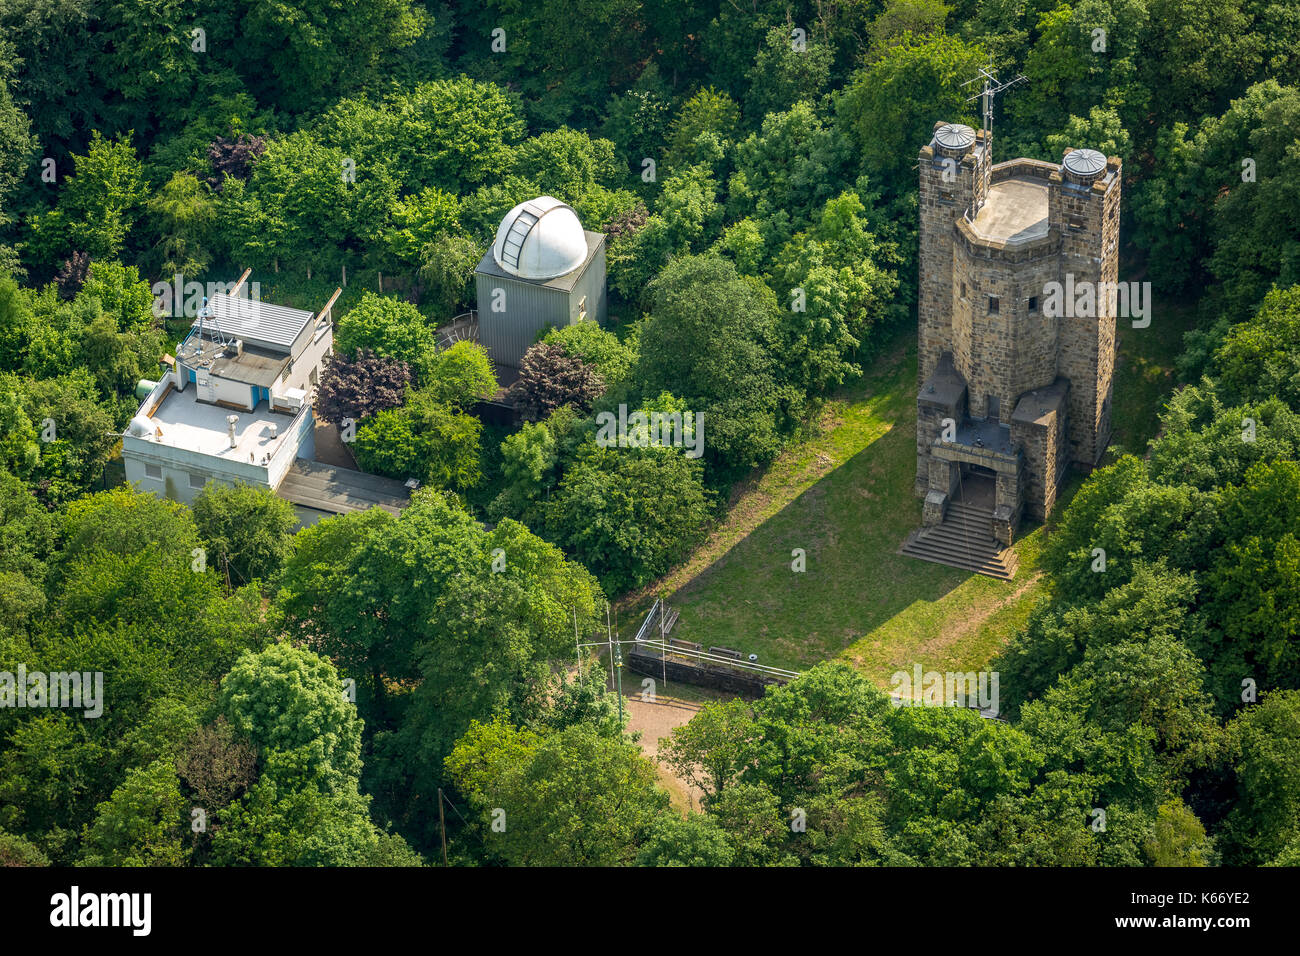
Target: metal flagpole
[(609, 635), (576, 649), (663, 639)]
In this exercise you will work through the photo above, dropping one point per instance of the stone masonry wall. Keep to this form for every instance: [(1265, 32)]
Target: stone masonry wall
[(1019, 349), (948, 183), (1088, 218)]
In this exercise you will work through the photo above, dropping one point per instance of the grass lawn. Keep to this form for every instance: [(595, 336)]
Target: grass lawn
[(845, 497)]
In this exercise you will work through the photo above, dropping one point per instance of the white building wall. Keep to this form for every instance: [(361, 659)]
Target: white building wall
[(220, 389), (173, 467), (299, 373)]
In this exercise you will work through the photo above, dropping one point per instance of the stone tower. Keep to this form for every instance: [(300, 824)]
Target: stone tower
[(1013, 388)]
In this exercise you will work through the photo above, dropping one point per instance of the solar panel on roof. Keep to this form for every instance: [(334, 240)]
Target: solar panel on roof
[(239, 317)]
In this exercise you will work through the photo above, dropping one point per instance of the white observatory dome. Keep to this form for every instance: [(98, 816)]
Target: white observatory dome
[(540, 239)]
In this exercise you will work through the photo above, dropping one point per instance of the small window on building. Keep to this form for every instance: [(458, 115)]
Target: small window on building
[(963, 290), (1076, 222), (314, 375), (153, 472), (994, 408), (993, 305), (946, 195), (198, 481), (1033, 304)]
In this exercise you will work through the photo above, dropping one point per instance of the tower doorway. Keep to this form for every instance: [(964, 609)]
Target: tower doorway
[(977, 487)]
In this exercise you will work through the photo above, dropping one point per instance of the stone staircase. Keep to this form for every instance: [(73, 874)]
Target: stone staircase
[(963, 540)]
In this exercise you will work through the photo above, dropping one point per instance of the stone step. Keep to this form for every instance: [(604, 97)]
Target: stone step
[(975, 551), (955, 560), (993, 567), (980, 525), (968, 517), (961, 508), (963, 540)]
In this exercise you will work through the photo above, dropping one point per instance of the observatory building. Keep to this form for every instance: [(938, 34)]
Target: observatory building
[(544, 270), (1013, 389)]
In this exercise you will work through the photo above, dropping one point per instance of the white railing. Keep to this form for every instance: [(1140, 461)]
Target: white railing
[(665, 648), (282, 460), (710, 658)]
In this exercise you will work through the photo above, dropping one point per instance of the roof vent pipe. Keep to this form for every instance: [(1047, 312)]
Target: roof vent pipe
[(231, 421)]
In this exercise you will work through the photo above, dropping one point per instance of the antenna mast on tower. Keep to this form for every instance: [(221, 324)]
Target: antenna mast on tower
[(991, 87)]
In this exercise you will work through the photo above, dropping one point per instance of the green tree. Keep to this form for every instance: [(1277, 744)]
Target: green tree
[(783, 75), (460, 376), (709, 340), (1257, 358), (629, 514), (551, 792), (786, 170), (1264, 741), (889, 108), (300, 53), (142, 824), (840, 286), (428, 440), (706, 125), (246, 528), (98, 204), (695, 840), (291, 705), (1179, 838), (566, 163), (569, 72), (447, 269), (385, 326), (307, 205), (596, 347)]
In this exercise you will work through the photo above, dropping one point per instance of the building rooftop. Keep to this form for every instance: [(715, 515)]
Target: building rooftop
[(253, 366), (945, 385), (1015, 211), (981, 433), (185, 422), (340, 490), (255, 321)]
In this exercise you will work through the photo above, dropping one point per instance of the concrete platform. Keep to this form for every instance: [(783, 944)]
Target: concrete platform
[(1015, 211), (332, 490), (200, 426)]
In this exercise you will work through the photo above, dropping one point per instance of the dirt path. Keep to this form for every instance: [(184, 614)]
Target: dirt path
[(655, 718)]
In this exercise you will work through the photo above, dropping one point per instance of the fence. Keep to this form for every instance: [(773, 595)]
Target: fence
[(721, 668)]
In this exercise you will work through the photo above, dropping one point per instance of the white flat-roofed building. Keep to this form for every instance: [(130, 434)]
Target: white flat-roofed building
[(236, 407)]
